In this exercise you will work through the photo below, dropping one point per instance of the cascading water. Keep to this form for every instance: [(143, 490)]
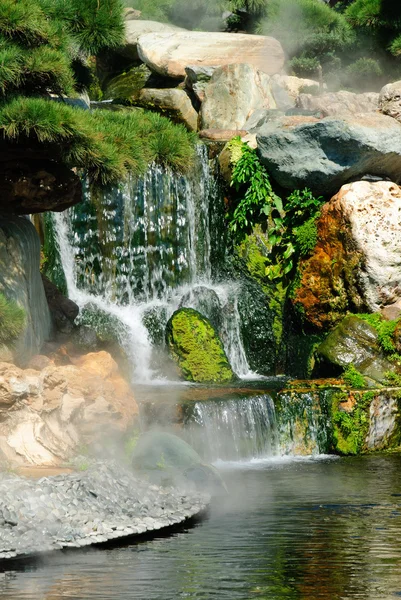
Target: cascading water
[(236, 429), (255, 427), (140, 249)]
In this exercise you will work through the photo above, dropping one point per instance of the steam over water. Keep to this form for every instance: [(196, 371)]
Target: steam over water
[(303, 529), (140, 251)]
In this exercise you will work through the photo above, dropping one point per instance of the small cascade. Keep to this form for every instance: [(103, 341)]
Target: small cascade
[(235, 429), (137, 250)]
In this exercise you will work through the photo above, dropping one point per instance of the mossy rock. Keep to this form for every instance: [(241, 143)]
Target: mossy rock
[(127, 85), (196, 348)]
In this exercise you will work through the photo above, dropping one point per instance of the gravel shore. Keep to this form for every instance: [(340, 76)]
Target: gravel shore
[(73, 510)]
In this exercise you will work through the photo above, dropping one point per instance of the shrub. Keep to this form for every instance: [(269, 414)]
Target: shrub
[(304, 66), (12, 320)]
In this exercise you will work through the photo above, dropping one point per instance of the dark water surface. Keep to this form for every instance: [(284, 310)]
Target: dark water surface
[(300, 529)]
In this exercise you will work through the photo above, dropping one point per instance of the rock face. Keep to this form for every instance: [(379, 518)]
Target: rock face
[(325, 154), (233, 93), (356, 264), (134, 28), (196, 348), (390, 100), (355, 342), (127, 85), (29, 186), (45, 415), (63, 310), (172, 102), (169, 53), (163, 456), (20, 281), (338, 104)]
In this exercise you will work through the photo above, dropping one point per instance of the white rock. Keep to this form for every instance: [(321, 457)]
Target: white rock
[(170, 52)]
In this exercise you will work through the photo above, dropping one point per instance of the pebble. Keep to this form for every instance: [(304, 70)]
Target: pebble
[(74, 510)]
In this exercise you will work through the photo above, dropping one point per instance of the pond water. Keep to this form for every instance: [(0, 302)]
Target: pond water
[(306, 528)]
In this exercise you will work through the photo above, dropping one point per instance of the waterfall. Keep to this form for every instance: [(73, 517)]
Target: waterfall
[(235, 429), (144, 246), (256, 426)]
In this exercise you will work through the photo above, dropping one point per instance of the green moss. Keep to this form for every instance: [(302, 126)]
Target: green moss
[(128, 84), (196, 348), (12, 320), (351, 426), (353, 378), (385, 330), (393, 378)]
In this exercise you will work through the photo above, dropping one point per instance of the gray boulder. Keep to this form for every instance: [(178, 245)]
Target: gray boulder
[(355, 342), (164, 457), (390, 100), (134, 28), (325, 154)]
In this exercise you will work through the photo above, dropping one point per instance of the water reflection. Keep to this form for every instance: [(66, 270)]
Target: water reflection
[(306, 530)]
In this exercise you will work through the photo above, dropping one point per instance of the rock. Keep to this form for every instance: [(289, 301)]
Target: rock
[(325, 154), (34, 186), (162, 455), (392, 312), (169, 53), (85, 338), (221, 135), (354, 342), (196, 348), (232, 94), (131, 14), (397, 335), (206, 302), (286, 89), (134, 29), (39, 362), (21, 282), (356, 264), (197, 79), (390, 100), (63, 311), (127, 85), (173, 103), (46, 414), (338, 104)]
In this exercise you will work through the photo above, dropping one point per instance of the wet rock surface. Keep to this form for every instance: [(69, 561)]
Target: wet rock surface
[(104, 503)]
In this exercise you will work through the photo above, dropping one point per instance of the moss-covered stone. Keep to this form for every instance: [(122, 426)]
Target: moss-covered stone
[(127, 85), (196, 348), (353, 342)]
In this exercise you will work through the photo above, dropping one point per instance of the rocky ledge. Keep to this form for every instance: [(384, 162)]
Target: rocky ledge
[(98, 505)]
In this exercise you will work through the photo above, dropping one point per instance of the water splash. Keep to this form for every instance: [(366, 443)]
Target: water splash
[(144, 246)]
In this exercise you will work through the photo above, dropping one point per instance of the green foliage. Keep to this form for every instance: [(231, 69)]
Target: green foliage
[(362, 73), (304, 67), (106, 144), (385, 330), (393, 378), (350, 427), (250, 176), (12, 320), (291, 226), (354, 378)]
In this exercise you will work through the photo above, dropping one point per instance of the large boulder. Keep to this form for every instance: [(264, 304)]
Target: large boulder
[(20, 281), (134, 28), (174, 103), (390, 100), (196, 348), (354, 342), (170, 52), (164, 457), (47, 415), (127, 85), (233, 93), (325, 154), (338, 104), (356, 264), (63, 310)]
